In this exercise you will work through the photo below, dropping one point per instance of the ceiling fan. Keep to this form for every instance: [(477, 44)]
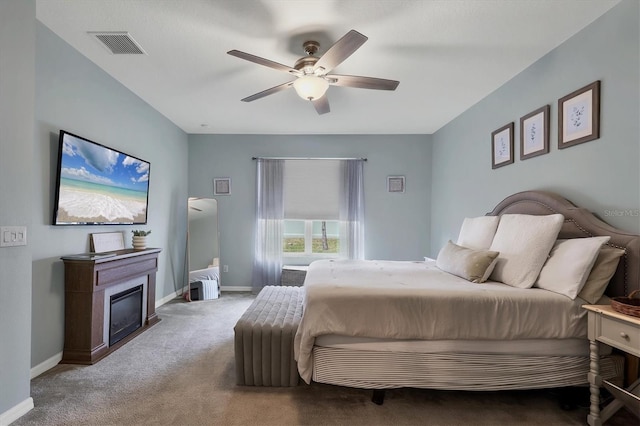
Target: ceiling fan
[(312, 72)]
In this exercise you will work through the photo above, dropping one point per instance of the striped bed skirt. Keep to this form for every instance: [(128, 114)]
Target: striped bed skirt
[(454, 371)]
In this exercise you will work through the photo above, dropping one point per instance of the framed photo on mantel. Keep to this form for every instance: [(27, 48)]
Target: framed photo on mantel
[(106, 241)]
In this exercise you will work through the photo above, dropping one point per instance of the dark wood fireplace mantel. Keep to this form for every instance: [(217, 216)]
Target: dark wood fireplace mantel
[(87, 280)]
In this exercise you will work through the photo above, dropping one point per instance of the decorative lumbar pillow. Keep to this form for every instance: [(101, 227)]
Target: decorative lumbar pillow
[(472, 265), (603, 269), (524, 242), (569, 264), (477, 232)]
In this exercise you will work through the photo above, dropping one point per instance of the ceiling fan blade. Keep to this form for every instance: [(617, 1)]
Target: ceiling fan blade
[(262, 61), (321, 104), (362, 82), (341, 50), (268, 92)]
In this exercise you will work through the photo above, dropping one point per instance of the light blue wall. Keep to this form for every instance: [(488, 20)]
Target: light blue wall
[(397, 225), (17, 68), (73, 94), (601, 175)]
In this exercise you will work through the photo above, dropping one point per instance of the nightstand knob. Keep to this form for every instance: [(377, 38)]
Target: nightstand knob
[(624, 335)]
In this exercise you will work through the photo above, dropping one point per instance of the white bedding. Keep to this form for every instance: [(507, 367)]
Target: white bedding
[(211, 273), (415, 300)]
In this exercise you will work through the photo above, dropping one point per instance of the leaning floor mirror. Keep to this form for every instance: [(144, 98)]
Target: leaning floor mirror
[(203, 250)]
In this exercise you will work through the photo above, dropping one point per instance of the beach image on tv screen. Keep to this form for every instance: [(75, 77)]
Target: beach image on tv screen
[(100, 185)]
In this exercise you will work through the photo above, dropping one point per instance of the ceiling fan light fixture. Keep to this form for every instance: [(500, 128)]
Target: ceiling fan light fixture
[(313, 74), (310, 87)]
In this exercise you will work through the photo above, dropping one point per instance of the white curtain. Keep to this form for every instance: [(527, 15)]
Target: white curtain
[(352, 210), (267, 265)]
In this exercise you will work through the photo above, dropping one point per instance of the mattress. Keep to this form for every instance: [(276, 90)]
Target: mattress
[(533, 347)]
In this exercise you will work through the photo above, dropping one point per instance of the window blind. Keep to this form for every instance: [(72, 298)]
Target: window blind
[(312, 189)]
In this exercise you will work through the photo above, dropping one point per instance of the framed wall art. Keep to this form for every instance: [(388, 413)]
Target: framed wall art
[(106, 241), (222, 186), (534, 133), (579, 116), (395, 184), (502, 146)]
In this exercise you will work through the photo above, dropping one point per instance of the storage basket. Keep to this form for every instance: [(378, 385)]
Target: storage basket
[(627, 305)]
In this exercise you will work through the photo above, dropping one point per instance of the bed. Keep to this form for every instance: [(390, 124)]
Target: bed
[(377, 325), (204, 284)]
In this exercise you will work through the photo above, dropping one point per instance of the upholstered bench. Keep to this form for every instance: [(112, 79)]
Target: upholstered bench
[(264, 337)]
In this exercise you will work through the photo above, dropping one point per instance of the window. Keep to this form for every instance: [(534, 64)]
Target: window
[(311, 238), (312, 208)]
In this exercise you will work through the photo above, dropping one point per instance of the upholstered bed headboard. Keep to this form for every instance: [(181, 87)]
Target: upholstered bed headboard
[(580, 223)]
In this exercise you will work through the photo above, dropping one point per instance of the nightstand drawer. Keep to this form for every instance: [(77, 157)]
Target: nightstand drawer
[(619, 334)]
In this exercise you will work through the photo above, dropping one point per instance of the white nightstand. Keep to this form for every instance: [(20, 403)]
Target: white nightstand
[(622, 332)]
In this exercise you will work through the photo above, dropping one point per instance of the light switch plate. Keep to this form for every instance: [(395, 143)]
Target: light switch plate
[(11, 236)]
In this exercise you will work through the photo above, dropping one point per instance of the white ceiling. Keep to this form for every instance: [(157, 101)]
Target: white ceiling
[(447, 55)]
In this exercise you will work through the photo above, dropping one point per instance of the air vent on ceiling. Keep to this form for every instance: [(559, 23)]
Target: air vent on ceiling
[(118, 42)]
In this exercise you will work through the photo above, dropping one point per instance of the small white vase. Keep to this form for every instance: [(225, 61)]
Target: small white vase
[(139, 242)]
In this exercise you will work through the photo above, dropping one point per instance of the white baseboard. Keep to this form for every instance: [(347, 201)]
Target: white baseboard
[(169, 298), (46, 365), (235, 288), (14, 413)]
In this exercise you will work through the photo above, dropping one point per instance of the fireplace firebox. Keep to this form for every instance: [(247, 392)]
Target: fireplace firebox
[(126, 314)]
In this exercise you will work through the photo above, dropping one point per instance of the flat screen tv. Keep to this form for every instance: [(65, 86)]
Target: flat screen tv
[(97, 185)]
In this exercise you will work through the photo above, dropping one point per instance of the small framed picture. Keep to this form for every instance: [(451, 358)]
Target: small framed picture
[(395, 183), (106, 241), (222, 186), (534, 133), (502, 146), (579, 116)]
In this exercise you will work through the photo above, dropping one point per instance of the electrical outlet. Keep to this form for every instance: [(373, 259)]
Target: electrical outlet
[(225, 268), (11, 236)]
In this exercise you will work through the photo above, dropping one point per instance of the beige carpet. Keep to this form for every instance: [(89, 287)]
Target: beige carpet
[(181, 372)]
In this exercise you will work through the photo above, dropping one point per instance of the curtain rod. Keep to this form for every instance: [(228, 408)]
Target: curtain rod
[(305, 158)]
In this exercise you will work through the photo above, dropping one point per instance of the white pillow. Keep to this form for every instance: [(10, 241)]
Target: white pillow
[(477, 232), (524, 242), (569, 265)]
